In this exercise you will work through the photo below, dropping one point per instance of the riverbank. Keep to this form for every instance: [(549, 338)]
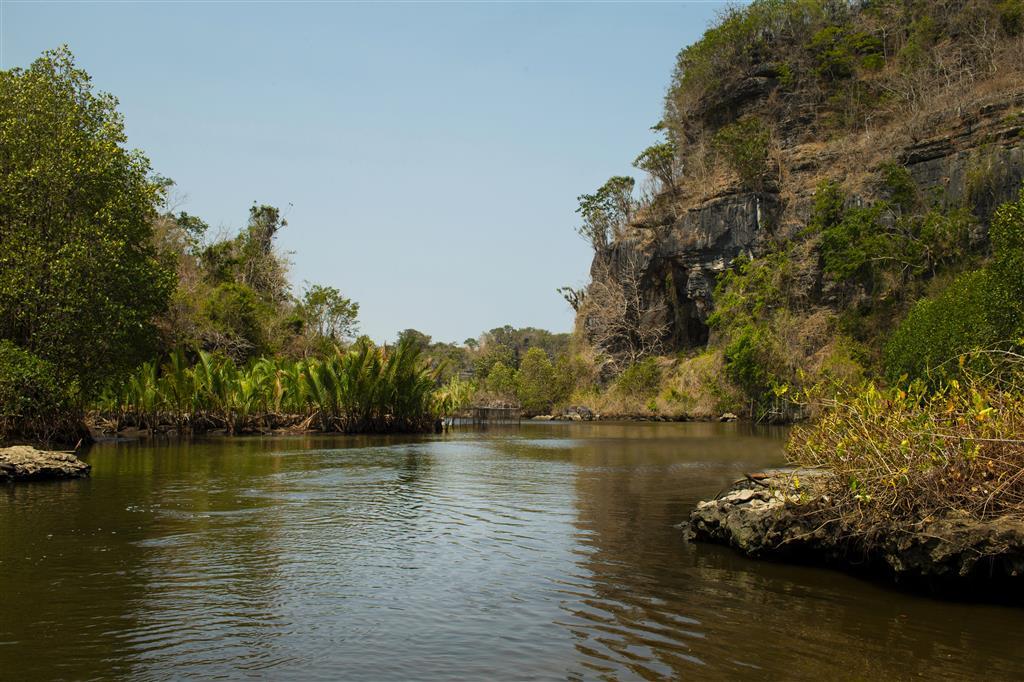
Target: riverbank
[(789, 515), (582, 413), (24, 463)]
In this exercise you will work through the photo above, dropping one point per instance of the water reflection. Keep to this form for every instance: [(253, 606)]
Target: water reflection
[(546, 552)]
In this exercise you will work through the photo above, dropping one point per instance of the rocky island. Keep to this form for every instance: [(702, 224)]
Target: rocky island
[(788, 514), (24, 463)]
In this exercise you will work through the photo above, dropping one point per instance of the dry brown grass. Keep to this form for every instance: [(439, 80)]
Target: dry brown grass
[(697, 387)]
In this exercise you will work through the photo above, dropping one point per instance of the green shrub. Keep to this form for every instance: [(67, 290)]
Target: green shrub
[(746, 147), (852, 246), (838, 52), (980, 309), (828, 208), (748, 359), (570, 372), (923, 34), (901, 187), (34, 403), (1011, 16), (640, 381), (1007, 235), (659, 160), (937, 330), (882, 245), (751, 289)]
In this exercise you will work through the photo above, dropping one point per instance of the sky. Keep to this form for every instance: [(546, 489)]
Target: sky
[(427, 156)]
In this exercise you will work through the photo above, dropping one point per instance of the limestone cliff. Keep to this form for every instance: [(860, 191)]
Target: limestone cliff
[(841, 90)]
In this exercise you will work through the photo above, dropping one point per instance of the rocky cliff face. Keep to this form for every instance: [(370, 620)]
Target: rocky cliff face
[(973, 158)]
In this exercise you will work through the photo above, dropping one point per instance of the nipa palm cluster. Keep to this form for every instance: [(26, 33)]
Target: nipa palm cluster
[(365, 389)]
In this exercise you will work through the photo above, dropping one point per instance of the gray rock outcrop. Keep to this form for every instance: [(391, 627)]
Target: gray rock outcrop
[(24, 463), (784, 515)]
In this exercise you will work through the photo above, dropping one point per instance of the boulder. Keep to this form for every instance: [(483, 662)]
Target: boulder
[(24, 463), (578, 413)]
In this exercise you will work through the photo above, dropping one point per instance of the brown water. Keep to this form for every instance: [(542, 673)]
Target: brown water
[(545, 552)]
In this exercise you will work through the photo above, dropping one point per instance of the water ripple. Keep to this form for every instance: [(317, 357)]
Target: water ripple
[(548, 553)]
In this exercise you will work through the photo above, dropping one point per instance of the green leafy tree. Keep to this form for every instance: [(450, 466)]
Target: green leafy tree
[(490, 355), (606, 212), (262, 269), (250, 258), (81, 279), (501, 381), (193, 227), (536, 384), (522, 339), (415, 336), (239, 316), (329, 318), (659, 160)]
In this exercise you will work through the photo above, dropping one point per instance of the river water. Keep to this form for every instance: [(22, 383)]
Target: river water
[(548, 551)]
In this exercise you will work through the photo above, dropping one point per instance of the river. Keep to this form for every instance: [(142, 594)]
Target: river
[(548, 551)]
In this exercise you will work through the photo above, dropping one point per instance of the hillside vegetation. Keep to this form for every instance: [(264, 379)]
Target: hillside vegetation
[(116, 306), (835, 199)]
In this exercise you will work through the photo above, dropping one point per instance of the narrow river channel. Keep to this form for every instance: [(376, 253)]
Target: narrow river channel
[(548, 551)]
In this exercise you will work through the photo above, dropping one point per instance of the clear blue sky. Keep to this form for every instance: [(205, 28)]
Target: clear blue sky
[(428, 156)]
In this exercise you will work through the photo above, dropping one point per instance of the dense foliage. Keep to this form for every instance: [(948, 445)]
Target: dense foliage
[(365, 389), (234, 297), (884, 245), (979, 310), (746, 146), (82, 280), (854, 60), (34, 403)]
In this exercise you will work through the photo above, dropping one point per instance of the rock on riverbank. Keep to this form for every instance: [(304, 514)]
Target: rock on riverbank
[(24, 463), (785, 515)]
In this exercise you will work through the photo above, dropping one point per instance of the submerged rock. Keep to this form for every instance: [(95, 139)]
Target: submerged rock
[(24, 463), (784, 514)]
